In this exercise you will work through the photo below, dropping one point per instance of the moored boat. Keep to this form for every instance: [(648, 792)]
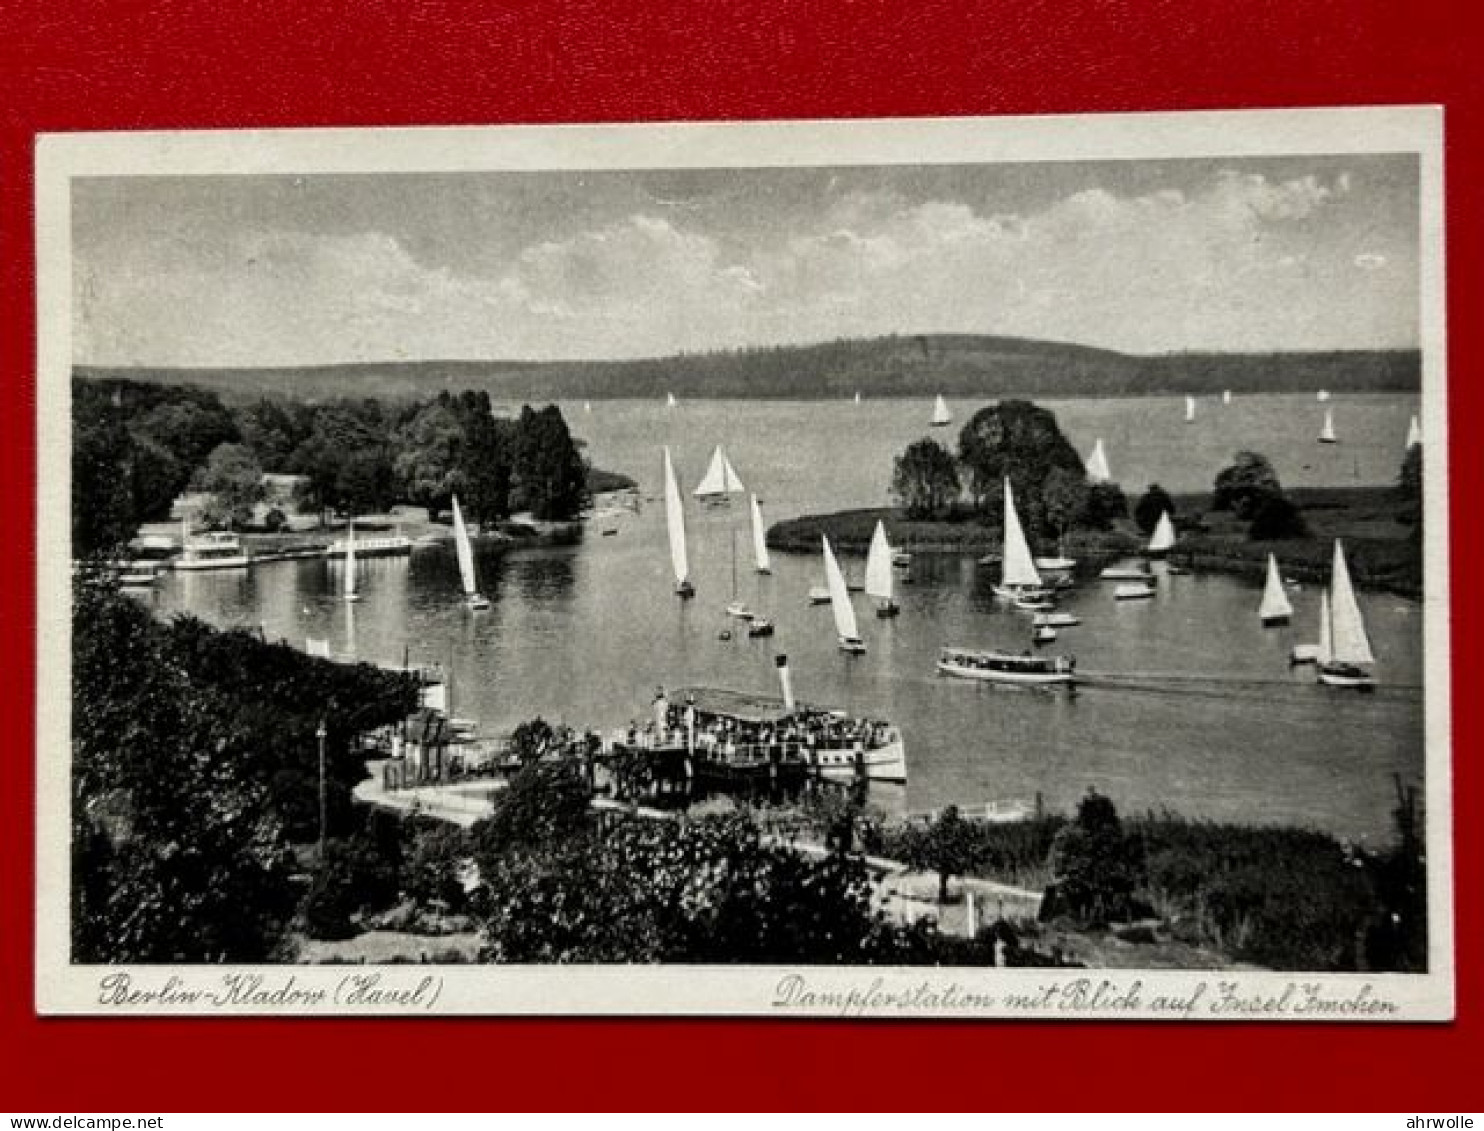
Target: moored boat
[(1020, 581), (389, 546), (1043, 634), (819, 595), (216, 549), (1275, 609), (1136, 591), (1346, 662), (348, 588), (1006, 667), (675, 525), (473, 598), (1327, 433), (879, 576), (1097, 464), (846, 629), (941, 416), (1163, 538), (1056, 620), (742, 731), (1126, 573)]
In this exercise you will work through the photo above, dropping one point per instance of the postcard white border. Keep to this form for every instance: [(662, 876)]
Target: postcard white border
[(64, 988)]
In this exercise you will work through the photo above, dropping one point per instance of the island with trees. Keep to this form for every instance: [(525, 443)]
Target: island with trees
[(949, 500)]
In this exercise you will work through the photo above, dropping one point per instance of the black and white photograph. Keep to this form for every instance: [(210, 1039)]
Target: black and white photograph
[(986, 568)]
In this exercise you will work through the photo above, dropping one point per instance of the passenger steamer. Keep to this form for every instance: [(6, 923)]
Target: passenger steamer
[(1006, 667), (741, 733)]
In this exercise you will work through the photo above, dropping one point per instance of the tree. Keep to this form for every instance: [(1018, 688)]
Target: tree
[(234, 479), (1154, 502), (549, 477), (103, 511), (429, 450), (1021, 441), (1105, 503), (947, 846), (925, 481), (1064, 495), (1095, 867), (1242, 487), (1276, 518), (346, 457), (545, 801)]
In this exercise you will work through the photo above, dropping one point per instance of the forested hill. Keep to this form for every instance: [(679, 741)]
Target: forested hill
[(964, 365)]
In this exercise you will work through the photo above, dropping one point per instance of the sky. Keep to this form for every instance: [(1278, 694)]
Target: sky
[(1287, 253)]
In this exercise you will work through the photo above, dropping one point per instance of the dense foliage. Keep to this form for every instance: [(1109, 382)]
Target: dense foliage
[(195, 770), (1153, 503), (1022, 442), (925, 480), (1249, 488), (137, 446)]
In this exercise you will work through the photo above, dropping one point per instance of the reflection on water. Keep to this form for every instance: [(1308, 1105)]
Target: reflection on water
[(1213, 722)]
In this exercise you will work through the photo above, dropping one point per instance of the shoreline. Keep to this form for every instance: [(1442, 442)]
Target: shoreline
[(1382, 558)]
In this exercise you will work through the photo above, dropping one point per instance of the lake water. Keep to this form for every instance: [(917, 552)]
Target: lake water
[(1213, 723)]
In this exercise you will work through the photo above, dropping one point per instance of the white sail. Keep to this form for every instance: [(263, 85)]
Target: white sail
[(1326, 639), (845, 626), (670, 400), (1414, 433), (1328, 431), (879, 577), (941, 415), (720, 478), (1017, 567), (675, 518), (466, 551), (857, 398), (759, 541), (1097, 464), (349, 581), (1226, 396), (1322, 395), (1275, 604), (1164, 534), (1189, 409), (1347, 627)]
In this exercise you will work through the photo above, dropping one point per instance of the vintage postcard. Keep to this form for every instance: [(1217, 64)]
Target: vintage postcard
[(986, 568)]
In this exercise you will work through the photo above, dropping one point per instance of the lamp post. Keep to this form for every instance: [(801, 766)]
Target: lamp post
[(320, 735)]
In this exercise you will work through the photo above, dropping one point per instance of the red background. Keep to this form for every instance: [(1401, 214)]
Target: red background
[(106, 64)]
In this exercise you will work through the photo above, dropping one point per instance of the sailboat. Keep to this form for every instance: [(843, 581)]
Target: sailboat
[(1310, 653), (1343, 663), (670, 401), (587, 406), (1322, 396), (1189, 409), (675, 521), (846, 629), (1414, 433), (1020, 583), (1163, 537), (473, 598), (348, 586), (857, 398), (759, 540), (1097, 464), (1226, 396), (761, 625), (879, 577), (721, 480), (1275, 608), (941, 416)]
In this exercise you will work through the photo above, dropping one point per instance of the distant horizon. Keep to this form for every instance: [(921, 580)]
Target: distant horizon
[(678, 355)]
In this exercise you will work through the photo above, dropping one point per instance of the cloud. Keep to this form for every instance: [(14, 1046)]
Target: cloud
[(1240, 261)]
